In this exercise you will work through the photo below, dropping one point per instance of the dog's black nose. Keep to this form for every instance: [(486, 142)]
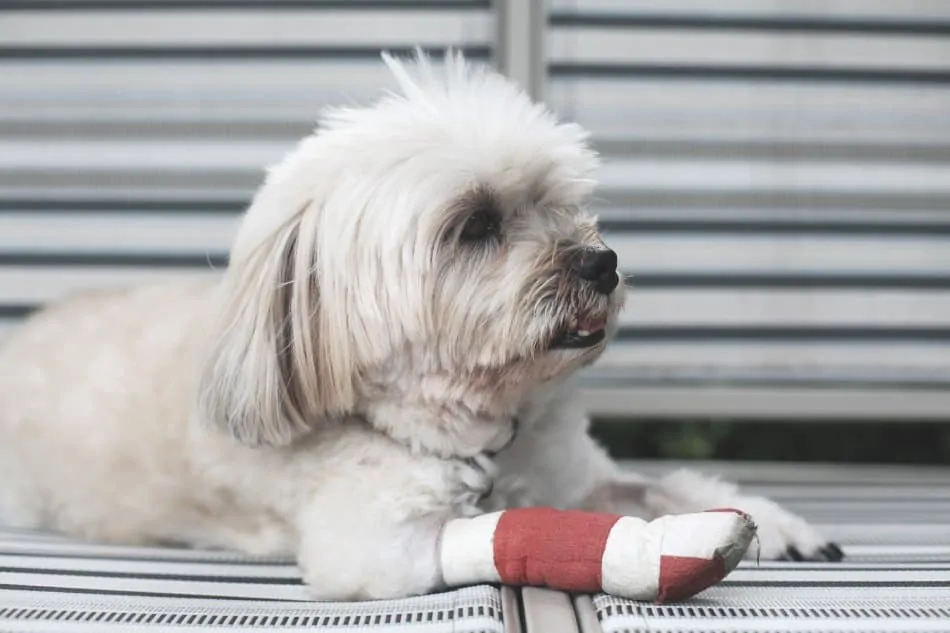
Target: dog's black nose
[(599, 265)]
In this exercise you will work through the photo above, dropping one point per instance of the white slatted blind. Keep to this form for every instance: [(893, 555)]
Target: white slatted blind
[(776, 178), (777, 182), (133, 132)]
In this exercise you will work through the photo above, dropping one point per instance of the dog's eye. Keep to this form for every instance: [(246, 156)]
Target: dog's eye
[(479, 226)]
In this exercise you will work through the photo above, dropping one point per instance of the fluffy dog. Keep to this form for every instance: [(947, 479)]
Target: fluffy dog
[(408, 295)]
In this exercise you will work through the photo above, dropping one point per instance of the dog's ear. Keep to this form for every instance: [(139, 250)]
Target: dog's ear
[(274, 371)]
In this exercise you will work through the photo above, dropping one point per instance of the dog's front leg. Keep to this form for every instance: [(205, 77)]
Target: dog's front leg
[(417, 528), (376, 533)]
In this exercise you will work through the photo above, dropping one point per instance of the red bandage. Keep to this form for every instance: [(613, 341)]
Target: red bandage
[(562, 549), (683, 576), (668, 559)]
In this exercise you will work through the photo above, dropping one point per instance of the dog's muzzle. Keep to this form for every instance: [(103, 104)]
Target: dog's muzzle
[(597, 268)]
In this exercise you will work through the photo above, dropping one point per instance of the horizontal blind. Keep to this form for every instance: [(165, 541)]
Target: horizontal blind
[(133, 132), (776, 181)]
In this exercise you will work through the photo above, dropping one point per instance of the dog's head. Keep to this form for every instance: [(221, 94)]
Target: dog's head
[(423, 262)]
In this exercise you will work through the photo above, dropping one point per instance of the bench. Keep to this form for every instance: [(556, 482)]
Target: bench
[(776, 183), (892, 522)]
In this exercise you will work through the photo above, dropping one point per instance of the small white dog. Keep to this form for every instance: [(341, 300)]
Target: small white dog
[(408, 294)]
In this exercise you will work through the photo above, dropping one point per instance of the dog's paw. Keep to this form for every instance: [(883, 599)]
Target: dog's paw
[(781, 534), (475, 479), (784, 536)]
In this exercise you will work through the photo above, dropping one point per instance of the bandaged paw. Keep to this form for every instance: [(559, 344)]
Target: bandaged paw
[(665, 560)]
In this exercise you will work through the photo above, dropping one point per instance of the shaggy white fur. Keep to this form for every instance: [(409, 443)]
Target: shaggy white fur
[(409, 293)]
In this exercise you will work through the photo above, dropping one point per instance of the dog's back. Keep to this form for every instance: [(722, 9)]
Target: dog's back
[(81, 407)]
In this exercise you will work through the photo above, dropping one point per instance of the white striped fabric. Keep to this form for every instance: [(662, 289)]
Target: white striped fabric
[(466, 550), (895, 531), (896, 576), (58, 584)]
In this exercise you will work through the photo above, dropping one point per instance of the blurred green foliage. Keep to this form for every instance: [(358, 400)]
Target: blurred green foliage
[(906, 442)]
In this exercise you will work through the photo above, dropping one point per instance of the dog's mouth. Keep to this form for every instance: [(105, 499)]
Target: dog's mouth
[(581, 333)]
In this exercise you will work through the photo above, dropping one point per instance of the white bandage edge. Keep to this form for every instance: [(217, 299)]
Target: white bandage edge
[(704, 535), (631, 564), (634, 549), (467, 550)]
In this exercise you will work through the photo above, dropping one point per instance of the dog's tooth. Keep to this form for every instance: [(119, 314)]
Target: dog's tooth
[(583, 332)]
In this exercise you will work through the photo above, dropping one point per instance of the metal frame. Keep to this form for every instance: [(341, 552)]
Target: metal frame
[(520, 44)]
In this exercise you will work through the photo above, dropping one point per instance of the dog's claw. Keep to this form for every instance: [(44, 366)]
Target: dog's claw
[(476, 475), (830, 552), (484, 463), (833, 552), (794, 554), (475, 479), (491, 489), (515, 423)]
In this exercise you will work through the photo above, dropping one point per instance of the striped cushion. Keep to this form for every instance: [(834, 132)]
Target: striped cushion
[(51, 583), (894, 525), (787, 607), (777, 182)]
